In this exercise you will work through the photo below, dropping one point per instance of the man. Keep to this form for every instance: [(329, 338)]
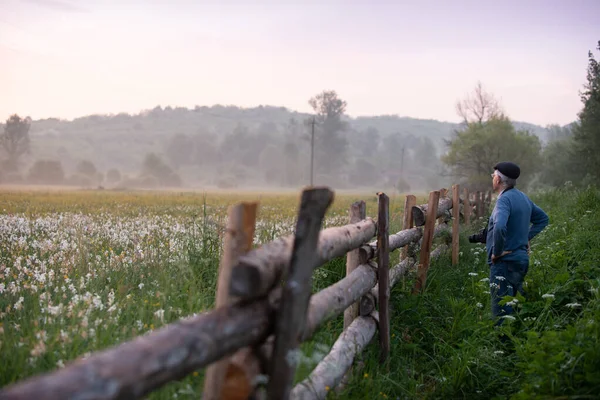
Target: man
[(515, 220)]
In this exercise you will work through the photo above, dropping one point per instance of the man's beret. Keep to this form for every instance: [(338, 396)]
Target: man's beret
[(508, 169)]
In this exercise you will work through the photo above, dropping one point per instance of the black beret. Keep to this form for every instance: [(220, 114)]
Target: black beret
[(508, 169)]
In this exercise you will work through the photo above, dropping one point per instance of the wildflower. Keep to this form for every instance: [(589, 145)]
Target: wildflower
[(479, 305), (484, 280), (141, 286), (513, 302), (19, 304), (499, 352), (548, 296), (160, 314), (472, 274), (365, 375), (509, 317), (60, 364), (573, 305), (500, 278)]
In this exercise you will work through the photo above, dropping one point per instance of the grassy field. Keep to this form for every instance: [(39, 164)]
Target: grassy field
[(82, 271)]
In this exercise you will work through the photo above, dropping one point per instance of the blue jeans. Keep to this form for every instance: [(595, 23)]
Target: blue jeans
[(506, 279)]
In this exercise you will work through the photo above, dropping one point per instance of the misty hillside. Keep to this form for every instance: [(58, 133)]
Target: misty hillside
[(229, 146)]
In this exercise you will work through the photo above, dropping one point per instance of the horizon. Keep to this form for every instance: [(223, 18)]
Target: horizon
[(69, 60)]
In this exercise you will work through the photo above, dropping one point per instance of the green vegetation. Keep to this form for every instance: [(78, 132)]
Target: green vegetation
[(81, 271)]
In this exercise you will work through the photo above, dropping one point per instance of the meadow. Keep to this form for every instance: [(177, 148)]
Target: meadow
[(81, 271)]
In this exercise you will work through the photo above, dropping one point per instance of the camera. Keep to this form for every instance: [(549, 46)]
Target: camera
[(479, 237)]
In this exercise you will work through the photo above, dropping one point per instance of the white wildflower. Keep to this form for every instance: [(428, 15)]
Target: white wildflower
[(513, 302), (499, 352), (160, 314), (509, 317), (479, 305), (60, 364), (573, 305), (500, 278), (141, 286), (472, 274), (484, 280), (548, 296)]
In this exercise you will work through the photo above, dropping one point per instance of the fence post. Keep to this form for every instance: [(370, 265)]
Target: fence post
[(443, 193), (455, 223), (432, 206), (467, 206), (357, 212), (238, 240), (408, 222), (383, 270), (296, 293), (479, 200)]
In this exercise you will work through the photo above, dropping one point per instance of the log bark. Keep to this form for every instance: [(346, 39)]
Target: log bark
[(357, 212), (291, 316), (427, 241), (439, 251), (467, 208), (238, 240), (407, 221), (332, 301), (396, 241), (455, 224), (383, 274), (332, 368), (260, 269), (420, 212), (134, 369)]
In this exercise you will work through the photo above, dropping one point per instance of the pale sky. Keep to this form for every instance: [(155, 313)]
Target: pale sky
[(70, 58)]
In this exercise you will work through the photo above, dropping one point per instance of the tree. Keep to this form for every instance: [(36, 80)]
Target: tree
[(180, 150), (46, 172), (154, 167), (15, 140), (478, 107), (87, 168), (330, 146), (474, 152), (113, 175), (587, 131)]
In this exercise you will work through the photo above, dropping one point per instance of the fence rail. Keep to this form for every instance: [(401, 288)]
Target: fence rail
[(265, 308)]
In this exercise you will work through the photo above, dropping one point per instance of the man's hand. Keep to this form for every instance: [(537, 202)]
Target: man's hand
[(494, 258)]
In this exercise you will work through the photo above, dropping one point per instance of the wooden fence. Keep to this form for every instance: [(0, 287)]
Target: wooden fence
[(264, 306)]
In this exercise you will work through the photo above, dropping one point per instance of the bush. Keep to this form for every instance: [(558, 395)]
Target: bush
[(79, 180), (46, 172), (113, 175)]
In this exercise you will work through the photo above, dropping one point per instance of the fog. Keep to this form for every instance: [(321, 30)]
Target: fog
[(233, 148), (168, 95)]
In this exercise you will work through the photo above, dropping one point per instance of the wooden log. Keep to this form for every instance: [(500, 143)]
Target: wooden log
[(357, 212), (455, 224), (396, 241), (383, 274), (238, 240), (443, 194), (396, 273), (260, 269), (329, 372), (407, 221), (439, 250), (479, 200), (427, 241), (467, 207), (332, 301), (135, 368), (420, 213), (291, 316)]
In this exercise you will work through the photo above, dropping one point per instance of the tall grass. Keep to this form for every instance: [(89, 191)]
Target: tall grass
[(96, 269)]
